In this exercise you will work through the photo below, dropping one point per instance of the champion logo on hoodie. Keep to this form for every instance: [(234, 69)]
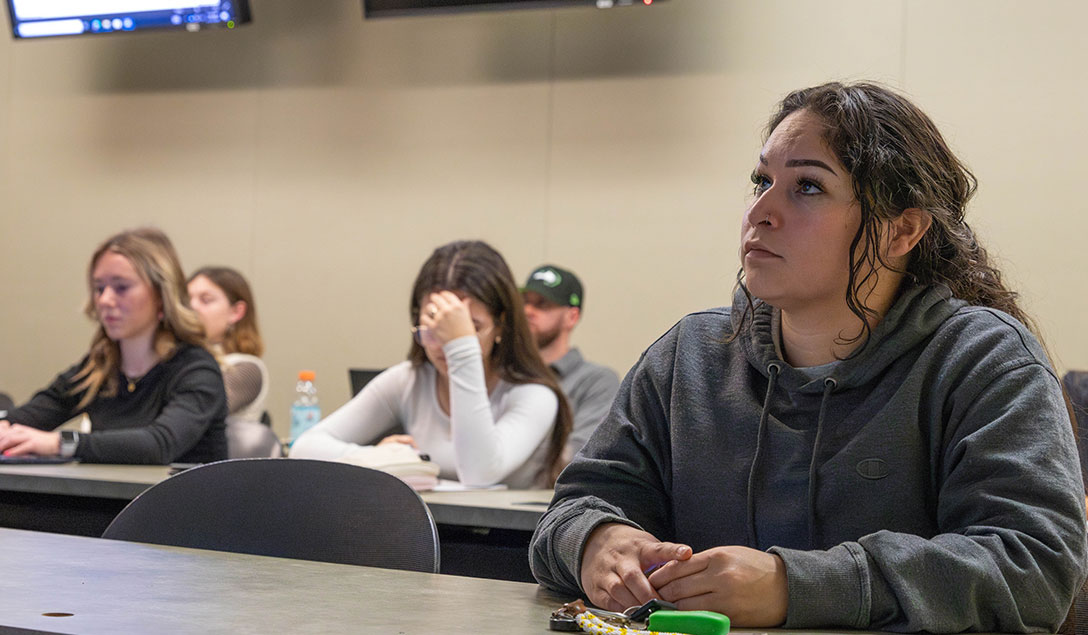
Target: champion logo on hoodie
[(872, 469)]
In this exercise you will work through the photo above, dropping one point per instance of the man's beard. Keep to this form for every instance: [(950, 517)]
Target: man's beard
[(544, 339)]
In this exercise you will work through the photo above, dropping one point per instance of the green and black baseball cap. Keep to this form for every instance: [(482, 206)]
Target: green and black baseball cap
[(557, 285)]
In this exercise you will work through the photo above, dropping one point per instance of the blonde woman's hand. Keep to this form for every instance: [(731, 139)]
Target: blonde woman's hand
[(17, 439), (446, 316)]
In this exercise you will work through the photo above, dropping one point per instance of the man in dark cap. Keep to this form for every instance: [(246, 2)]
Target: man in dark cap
[(554, 301)]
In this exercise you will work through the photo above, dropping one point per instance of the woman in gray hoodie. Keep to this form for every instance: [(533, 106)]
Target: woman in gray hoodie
[(869, 437)]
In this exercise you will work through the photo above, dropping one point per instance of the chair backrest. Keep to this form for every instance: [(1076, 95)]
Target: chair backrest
[(1076, 386), (289, 508), (360, 377), (6, 404), (252, 440), (1076, 623)]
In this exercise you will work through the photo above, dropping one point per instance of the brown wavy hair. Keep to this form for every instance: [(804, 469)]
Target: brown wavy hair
[(476, 269), (156, 262), (897, 160), (243, 336)]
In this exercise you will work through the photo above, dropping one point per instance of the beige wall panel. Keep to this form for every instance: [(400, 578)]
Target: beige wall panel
[(651, 161), (417, 139), (357, 189), (1005, 81), (325, 156), (84, 166)]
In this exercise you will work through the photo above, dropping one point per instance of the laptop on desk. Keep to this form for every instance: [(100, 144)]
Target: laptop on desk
[(360, 377), (31, 459), (6, 404)]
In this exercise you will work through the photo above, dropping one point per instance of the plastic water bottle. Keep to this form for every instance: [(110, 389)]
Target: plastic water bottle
[(305, 412)]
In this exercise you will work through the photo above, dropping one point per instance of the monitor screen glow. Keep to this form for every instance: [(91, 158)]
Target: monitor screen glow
[(45, 18)]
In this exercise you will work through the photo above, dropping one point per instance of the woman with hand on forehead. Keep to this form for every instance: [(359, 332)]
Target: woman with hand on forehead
[(153, 394), (869, 437), (474, 394)]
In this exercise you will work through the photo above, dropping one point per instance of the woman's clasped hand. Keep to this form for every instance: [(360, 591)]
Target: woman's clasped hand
[(625, 567)]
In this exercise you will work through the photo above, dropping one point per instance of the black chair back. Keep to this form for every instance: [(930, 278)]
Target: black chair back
[(1076, 623), (1076, 386), (252, 440), (6, 403), (289, 508), (360, 377)]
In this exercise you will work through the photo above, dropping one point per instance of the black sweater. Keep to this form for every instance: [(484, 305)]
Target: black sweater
[(176, 413)]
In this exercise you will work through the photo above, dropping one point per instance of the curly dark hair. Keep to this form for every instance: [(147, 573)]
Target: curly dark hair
[(897, 160)]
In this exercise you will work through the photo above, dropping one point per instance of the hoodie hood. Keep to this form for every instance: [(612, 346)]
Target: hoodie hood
[(916, 314)]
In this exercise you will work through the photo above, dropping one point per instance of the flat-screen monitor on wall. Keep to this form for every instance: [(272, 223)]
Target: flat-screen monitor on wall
[(44, 18), (392, 8)]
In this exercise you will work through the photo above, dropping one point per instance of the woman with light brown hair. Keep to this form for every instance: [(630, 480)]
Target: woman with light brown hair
[(223, 300), (153, 394)]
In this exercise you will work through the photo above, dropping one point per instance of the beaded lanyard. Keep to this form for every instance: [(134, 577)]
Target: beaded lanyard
[(574, 616), (590, 623)]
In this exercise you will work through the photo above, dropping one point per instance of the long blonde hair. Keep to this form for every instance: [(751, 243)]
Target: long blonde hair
[(153, 257)]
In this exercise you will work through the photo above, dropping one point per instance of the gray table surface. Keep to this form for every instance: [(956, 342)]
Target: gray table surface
[(497, 509), (120, 587), (93, 585)]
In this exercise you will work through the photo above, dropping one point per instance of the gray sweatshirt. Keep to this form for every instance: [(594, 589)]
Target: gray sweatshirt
[(929, 482)]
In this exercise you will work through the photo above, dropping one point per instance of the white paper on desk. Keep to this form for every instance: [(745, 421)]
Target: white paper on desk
[(446, 485), (397, 459)]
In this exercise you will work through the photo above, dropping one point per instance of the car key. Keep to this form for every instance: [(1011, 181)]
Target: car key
[(642, 613)]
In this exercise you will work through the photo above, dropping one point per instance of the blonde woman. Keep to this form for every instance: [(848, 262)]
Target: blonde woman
[(223, 300), (152, 392)]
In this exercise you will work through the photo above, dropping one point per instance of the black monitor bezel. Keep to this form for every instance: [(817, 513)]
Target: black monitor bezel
[(422, 7)]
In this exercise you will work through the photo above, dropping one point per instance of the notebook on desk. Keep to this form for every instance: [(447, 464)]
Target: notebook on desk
[(30, 459)]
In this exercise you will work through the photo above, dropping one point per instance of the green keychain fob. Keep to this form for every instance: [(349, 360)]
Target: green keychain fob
[(690, 622)]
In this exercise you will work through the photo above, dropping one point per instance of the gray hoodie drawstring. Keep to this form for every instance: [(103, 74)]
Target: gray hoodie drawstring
[(772, 371), (829, 385)]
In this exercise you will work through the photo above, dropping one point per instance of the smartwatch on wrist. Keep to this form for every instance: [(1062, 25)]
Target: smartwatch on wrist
[(69, 439)]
